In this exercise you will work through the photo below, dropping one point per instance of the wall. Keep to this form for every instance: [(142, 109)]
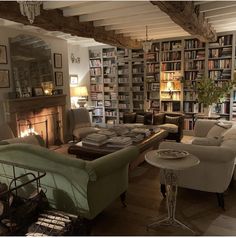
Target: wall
[(56, 45)]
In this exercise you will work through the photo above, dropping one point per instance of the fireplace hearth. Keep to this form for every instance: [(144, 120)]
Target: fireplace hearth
[(39, 115)]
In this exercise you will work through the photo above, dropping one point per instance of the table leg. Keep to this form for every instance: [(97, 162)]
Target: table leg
[(171, 190)]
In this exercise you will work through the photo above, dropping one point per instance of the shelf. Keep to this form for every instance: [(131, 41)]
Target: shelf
[(170, 61), (219, 58), (216, 47), (219, 69), (193, 49)]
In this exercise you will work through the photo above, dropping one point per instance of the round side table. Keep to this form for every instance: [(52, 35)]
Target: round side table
[(170, 166)]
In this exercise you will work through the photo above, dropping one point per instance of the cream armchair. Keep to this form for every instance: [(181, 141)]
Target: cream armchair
[(214, 173)]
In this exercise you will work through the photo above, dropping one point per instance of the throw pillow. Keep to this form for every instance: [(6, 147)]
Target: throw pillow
[(216, 132), (172, 120), (139, 119), (230, 134), (206, 141), (224, 124), (158, 119)]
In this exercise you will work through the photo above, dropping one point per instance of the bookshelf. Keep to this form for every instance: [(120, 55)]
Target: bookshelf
[(137, 67), (152, 77), (220, 69), (171, 74)]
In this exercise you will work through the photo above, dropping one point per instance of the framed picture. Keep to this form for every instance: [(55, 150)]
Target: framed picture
[(57, 60), (4, 78), (38, 91), (3, 54), (73, 79), (59, 78)]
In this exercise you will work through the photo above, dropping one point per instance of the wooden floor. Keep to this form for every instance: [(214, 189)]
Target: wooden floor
[(199, 210)]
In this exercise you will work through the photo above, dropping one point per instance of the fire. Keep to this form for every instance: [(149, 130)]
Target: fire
[(28, 132)]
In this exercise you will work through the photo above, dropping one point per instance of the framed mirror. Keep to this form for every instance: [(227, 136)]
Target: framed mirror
[(31, 63)]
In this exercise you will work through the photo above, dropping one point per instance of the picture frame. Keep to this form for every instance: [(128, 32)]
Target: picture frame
[(74, 79), (59, 78), (38, 91), (57, 60), (3, 54), (4, 78)]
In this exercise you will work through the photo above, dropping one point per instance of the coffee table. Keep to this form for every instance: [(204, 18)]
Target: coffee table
[(93, 152)]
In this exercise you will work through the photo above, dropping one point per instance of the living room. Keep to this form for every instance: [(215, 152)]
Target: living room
[(129, 101)]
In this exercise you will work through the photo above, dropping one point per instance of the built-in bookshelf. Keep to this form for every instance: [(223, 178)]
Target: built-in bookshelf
[(220, 69), (152, 77), (137, 67), (171, 74), (194, 70)]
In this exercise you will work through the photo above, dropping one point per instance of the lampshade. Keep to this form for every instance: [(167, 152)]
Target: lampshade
[(80, 91)]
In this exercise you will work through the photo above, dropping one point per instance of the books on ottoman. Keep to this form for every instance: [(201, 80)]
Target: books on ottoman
[(119, 141), (145, 132), (107, 132), (95, 139)]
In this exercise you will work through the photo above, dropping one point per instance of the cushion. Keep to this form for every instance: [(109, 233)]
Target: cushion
[(171, 128), (206, 141), (158, 119), (139, 119), (230, 134), (216, 131), (172, 120), (224, 124), (80, 133)]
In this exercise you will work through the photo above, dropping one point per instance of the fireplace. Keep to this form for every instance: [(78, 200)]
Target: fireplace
[(38, 115)]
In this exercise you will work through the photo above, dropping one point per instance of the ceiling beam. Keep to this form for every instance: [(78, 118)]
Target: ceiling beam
[(53, 20), (98, 7), (159, 36), (220, 12), (128, 19), (214, 20), (129, 11), (187, 16), (49, 5), (215, 5)]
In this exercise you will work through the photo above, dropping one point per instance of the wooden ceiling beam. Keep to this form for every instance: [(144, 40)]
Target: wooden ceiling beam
[(53, 20), (187, 16)]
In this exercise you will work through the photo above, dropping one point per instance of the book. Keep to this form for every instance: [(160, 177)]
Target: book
[(107, 132), (93, 143), (96, 137)]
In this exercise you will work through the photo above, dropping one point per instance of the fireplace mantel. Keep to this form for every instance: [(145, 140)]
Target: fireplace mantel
[(33, 103)]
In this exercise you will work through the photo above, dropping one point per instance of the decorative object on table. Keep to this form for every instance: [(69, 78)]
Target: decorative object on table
[(3, 54), (74, 79), (171, 154), (58, 78), (57, 60), (4, 78), (37, 91), (57, 91), (210, 93), (30, 9), (47, 87)]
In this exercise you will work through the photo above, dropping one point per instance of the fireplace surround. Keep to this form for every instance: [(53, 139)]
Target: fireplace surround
[(44, 115)]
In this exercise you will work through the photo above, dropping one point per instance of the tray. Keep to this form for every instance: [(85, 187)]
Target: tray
[(171, 154)]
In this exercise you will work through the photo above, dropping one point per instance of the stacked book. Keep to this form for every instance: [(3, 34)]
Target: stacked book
[(94, 139), (107, 132), (135, 137), (143, 131), (121, 130), (119, 141)]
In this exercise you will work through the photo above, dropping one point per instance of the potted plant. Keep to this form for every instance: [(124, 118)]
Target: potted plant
[(210, 92)]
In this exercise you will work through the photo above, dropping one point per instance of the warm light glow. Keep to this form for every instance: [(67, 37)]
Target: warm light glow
[(169, 85), (28, 132), (80, 91)]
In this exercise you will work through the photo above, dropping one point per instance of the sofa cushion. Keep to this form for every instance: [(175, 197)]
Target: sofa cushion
[(139, 119), (171, 128), (216, 131), (206, 141), (158, 119), (172, 120), (230, 134)]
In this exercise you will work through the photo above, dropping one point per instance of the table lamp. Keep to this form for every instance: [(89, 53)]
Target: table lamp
[(81, 93)]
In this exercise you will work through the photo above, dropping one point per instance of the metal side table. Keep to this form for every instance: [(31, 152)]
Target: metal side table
[(170, 167)]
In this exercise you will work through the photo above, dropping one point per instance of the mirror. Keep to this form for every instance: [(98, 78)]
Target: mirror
[(31, 64)]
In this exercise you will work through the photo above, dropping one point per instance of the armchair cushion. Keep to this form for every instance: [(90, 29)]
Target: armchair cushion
[(129, 117), (206, 141), (172, 120), (216, 131), (139, 119), (230, 134)]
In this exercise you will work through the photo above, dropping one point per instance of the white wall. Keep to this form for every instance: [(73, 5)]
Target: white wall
[(56, 45)]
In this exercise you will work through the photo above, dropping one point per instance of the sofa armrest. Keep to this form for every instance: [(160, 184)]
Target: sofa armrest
[(202, 127), (109, 163), (204, 153)]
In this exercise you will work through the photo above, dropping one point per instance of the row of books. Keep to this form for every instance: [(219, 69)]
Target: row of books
[(153, 86), (94, 54), (110, 104), (220, 75), (97, 103), (138, 106), (152, 68), (222, 52), (152, 57), (195, 54), (169, 56), (96, 96), (110, 96), (109, 80), (191, 107), (193, 75), (96, 80), (123, 106), (95, 72), (222, 64), (153, 78), (222, 41), (95, 63), (190, 95), (124, 89), (188, 124), (138, 88), (110, 88), (123, 71), (138, 70), (193, 43), (167, 76), (109, 63), (171, 66), (123, 97), (96, 88), (154, 95), (111, 113), (174, 85), (137, 79), (123, 80), (194, 65), (110, 70), (170, 95), (98, 112), (171, 45), (170, 106), (110, 53)]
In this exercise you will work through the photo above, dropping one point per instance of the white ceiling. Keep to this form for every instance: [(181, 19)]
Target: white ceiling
[(131, 18)]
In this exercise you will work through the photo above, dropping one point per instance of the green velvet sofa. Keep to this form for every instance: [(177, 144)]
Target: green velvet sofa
[(72, 185)]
